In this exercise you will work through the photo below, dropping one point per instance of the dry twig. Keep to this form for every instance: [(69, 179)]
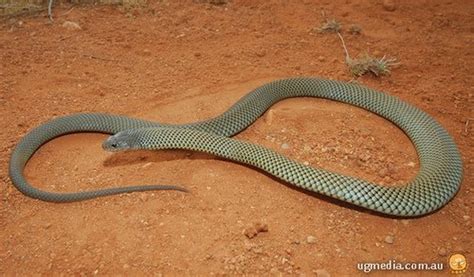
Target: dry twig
[(367, 63)]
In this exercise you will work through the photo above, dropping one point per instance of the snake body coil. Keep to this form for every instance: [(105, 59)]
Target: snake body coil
[(436, 183)]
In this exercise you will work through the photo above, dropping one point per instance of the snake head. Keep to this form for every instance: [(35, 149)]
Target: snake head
[(121, 141)]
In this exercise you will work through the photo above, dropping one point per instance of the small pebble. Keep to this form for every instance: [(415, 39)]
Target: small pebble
[(389, 5), (285, 146), (466, 217), (261, 227), (442, 252), (364, 157), (71, 25), (253, 231), (383, 172), (143, 197), (389, 239), (261, 53), (311, 240)]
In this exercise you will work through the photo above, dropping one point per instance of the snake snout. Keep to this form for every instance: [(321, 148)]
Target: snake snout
[(118, 142)]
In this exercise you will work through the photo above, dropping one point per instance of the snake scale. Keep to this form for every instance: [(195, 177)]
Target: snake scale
[(435, 184)]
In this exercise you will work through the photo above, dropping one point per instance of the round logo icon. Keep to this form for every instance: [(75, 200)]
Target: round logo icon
[(457, 263)]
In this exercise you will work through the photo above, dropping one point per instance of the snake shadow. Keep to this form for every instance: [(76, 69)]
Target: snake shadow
[(150, 156)]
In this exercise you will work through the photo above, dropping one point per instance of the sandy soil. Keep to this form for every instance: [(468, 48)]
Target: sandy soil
[(190, 61)]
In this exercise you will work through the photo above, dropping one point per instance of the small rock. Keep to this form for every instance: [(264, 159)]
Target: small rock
[(405, 222), (261, 227), (285, 146), (297, 242), (389, 5), (321, 58), (71, 25), (322, 273), (389, 239), (260, 53), (355, 29), (411, 164), (383, 172), (442, 252), (466, 217), (253, 231), (126, 266), (311, 240), (143, 197), (392, 169), (364, 157)]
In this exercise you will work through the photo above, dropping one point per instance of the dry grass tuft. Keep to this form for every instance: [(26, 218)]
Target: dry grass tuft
[(369, 64), (355, 29), (330, 26)]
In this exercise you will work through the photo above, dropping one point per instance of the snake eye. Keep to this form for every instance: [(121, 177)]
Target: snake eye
[(114, 145)]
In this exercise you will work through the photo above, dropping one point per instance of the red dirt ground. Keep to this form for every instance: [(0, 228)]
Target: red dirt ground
[(188, 61)]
